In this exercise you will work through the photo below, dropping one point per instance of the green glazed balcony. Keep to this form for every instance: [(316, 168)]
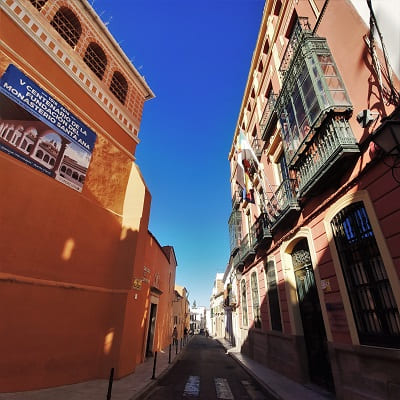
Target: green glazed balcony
[(267, 120)]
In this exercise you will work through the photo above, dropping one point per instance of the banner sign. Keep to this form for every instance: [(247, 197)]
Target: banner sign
[(36, 129)]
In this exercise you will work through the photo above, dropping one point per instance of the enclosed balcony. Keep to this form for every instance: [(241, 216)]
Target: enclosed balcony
[(262, 236), (330, 147), (235, 230)]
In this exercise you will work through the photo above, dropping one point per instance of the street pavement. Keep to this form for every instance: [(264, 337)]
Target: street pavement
[(139, 384)]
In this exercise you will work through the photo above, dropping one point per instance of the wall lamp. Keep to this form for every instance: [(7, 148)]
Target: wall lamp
[(387, 138)]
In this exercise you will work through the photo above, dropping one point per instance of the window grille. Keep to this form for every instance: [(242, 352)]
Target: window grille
[(119, 86), (38, 4), (95, 59), (256, 301), (374, 307), (274, 307), (244, 303), (66, 23)]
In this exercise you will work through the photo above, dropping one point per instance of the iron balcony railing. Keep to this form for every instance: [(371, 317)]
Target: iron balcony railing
[(301, 28), (236, 199), (332, 141), (266, 118), (284, 202), (261, 231), (246, 248), (257, 146)]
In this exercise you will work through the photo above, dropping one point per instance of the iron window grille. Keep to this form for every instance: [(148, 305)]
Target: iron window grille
[(95, 59), (256, 301), (274, 307), (119, 86), (374, 307), (38, 4), (244, 303), (66, 23)]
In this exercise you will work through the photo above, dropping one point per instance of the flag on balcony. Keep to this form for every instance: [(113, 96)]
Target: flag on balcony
[(246, 150)]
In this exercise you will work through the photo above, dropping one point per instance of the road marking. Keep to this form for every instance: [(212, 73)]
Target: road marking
[(223, 389), (192, 387)]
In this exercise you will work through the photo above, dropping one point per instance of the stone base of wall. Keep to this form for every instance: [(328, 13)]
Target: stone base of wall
[(365, 372), (285, 354)]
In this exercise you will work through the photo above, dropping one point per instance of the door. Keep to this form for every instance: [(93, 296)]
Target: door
[(311, 316), (150, 333)]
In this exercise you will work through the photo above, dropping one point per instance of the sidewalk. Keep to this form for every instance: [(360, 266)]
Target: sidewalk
[(279, 386), (128, 388)]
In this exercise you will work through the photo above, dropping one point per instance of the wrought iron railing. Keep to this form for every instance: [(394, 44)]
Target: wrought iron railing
[(236, 199), (267, 115), (246, 247), (261, 231), (332, 140), (301, 28), (257, 146)]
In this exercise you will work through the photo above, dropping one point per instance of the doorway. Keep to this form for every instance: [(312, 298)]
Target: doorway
[(151, 329), (311, 316)]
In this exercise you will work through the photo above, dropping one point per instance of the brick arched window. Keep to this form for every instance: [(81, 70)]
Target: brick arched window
[(67, 24), (96, 59), (119, 86), (38, 3)]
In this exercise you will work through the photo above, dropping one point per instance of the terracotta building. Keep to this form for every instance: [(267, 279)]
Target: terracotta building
[(315, 232), (181, 315), (84, 286)]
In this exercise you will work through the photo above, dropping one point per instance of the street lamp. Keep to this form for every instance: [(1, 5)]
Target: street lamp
[(387, 138)]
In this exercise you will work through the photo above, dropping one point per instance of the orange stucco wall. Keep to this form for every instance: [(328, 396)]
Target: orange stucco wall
[(69, 259)]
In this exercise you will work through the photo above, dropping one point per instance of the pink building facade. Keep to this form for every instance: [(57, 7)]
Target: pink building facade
[(315, 218)]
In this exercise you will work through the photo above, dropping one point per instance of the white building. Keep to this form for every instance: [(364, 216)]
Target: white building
[(197, 318)]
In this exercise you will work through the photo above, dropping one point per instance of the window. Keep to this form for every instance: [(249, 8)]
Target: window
[(256, 300), (374, 307), (67, 25), (274, 307), (38, 3), (244, 303), (119, 86), (95, 59)]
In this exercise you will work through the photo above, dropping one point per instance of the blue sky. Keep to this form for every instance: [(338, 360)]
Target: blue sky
[(195, 55)]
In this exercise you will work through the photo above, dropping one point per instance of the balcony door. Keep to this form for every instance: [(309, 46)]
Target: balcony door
[(310, 310)]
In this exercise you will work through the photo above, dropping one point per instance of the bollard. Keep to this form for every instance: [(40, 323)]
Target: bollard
[(176, 347), (154, 366), (180, 348), (110, 383), (169, 355)]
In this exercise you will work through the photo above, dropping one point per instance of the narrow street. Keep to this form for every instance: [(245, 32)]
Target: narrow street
[(206, 372)]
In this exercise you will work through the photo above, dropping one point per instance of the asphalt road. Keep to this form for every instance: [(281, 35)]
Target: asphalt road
[(205, 371)]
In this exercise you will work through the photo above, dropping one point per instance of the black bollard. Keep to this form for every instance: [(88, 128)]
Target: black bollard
[(176, 347), (154, 366), (110, 383), (169, 355), (180, 348)]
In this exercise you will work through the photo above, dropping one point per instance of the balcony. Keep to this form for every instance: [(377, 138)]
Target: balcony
[(247, 250), (333, 143), (300, 30), (235, 230), (257, 146), (236, 199), (261, 232), (267, 119), (285, 202)]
